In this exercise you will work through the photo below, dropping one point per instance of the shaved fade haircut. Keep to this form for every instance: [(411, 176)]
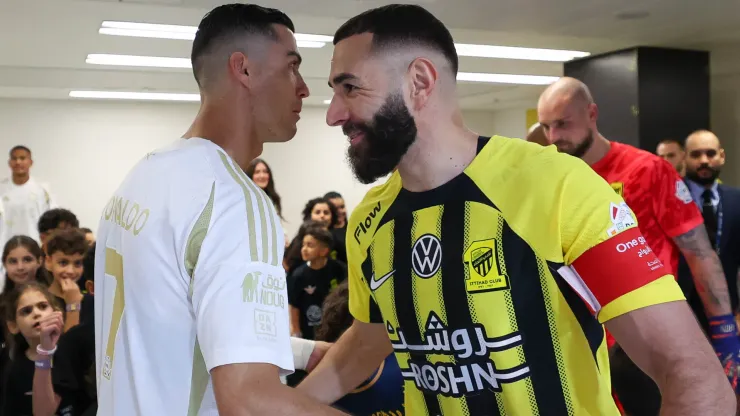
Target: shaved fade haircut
[(402, 26), (225, 24)]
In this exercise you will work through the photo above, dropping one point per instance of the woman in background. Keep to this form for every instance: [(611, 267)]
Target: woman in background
[(261, 174), (382, 393)]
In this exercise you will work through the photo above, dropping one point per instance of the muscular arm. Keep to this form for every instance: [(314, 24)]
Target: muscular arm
[(255, 389), (706, 269), (666, 343), (354, 357)]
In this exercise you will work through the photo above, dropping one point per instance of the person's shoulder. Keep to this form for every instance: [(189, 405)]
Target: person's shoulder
[(300, 271), (506, 163), (366, 215)]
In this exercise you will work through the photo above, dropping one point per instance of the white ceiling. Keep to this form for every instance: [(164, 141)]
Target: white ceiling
[(45, 42)]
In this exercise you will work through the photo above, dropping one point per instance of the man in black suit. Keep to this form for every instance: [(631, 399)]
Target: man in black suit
[(720, 206)]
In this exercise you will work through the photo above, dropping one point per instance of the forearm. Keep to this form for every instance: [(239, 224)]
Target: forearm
[(349, 362), (706, 270), (71, 320), (295, 321), (689, 391), (280, 400), (44, 401)]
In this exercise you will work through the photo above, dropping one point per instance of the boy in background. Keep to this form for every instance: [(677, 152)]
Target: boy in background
[(311, 282), (65, 251), (54, 219)]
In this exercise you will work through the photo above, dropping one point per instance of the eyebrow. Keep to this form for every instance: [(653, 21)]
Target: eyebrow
[(344, 76), (297, 55)]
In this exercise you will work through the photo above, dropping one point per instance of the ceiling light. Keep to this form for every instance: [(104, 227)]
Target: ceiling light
[(145, 96), (164, 62), (327, 101), (132, 60), (506, 78), (510, 52), (151, 30)]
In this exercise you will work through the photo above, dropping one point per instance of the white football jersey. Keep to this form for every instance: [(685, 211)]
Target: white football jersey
[(188, 277), (23, 206)]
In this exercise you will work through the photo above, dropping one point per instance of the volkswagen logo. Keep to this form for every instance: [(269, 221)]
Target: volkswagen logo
[(426, 255)]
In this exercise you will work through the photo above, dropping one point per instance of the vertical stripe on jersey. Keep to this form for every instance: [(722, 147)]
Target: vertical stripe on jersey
[(404, 299), (198, 380), (531, 315), (268, 223), (196, 237), (483, 223), (251, 225), (428, 298), (456, 297)]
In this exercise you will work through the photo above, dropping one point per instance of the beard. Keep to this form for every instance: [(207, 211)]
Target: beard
[(703, 179), (580, 149), (387, 138)]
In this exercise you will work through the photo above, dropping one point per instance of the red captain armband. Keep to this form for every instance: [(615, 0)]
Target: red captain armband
[(618, 266)]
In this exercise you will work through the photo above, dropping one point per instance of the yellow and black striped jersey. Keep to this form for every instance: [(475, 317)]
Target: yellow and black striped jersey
[(494, 286)]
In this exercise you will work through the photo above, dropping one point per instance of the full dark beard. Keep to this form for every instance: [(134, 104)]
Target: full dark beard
[(701, 180), (386, 139)]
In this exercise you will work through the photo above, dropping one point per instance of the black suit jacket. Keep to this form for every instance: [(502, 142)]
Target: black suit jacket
[(729, 252)]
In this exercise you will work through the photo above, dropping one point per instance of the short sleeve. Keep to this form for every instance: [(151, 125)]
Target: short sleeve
[(587, 233), (293, 287), (238, 288), (675, 209)]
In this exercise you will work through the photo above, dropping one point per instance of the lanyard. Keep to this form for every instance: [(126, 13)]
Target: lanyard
[(718, 237)]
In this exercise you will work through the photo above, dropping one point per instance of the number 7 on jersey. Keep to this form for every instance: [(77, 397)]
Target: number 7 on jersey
[(113, 268)]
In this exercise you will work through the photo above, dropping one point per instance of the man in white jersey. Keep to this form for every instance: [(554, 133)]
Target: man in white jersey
[(23, 199), (191, 309)]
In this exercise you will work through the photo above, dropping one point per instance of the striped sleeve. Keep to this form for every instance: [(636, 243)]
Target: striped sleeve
[(237, 282)]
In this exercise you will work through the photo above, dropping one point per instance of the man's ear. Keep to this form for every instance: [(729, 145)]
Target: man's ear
[(13, 327), (47, 262), (90, 287), (423, 77), (239, 68)]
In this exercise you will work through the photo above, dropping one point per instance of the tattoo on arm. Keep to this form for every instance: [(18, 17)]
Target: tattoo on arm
[(706, 269)]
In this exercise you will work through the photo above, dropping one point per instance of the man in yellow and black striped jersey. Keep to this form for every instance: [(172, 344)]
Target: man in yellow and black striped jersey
[(491, 264)]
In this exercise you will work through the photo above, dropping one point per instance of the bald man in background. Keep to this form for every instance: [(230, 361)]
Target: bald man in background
[(661, 201), (719, 204), (672, 151)]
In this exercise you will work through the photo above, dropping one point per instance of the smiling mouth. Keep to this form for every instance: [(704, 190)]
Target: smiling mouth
[(36, 325)]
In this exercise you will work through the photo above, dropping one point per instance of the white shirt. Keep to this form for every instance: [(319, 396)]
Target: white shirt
[(188, 277), (22, 206)]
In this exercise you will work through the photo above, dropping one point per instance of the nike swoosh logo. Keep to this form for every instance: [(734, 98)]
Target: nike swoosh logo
[(375, 284)]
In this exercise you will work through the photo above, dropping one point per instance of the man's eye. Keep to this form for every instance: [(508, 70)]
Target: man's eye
[(348, 88)]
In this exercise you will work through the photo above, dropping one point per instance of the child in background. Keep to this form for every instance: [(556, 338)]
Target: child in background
[(36, 324), (54, 219), (22, 262), (311, 283), (65, 252), (89, 236), (382, 393)]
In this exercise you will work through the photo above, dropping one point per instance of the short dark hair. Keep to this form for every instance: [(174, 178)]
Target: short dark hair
[(402, 25), (672, 141), (321, 234), (332, 195), (53, 218), (231, 20), (67, 240), (19, 147), (336, 317)]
